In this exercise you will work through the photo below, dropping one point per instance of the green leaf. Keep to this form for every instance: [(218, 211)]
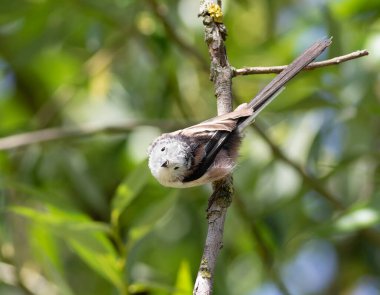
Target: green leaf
[(149, 286), (184, 283), (104, 263), (87, 238), (46, 249), (138, 232), (71, 221), (358, 219), (128, 190)]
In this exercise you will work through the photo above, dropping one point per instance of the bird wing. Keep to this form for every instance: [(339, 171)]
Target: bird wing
[(226, 122), (217, 130)]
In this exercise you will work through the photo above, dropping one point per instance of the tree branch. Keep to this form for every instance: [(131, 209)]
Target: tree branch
[(311, 181), (319, 64), (60, 133), (220, 200), (172, 34), (186, 47)]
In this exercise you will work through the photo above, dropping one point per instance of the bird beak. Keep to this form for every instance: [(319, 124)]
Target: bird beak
[(165, 164)]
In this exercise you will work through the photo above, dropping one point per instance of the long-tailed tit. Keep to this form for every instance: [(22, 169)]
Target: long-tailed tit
[(207, 151)]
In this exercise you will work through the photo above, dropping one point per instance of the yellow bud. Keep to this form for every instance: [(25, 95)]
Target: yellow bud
[(215, 12)]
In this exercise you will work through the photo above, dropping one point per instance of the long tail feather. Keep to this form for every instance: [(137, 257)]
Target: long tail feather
[(260, 100), (275, 87)]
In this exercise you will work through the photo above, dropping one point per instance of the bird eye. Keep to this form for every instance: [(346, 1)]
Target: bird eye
[(162, 149), (175, 168)]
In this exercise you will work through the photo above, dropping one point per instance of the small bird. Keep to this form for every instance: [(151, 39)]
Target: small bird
[(207, 151)]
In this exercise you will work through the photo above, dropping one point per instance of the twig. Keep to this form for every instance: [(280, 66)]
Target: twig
[(311, 181), (170, 30), (59, 133), (172, 34), (319, 64)]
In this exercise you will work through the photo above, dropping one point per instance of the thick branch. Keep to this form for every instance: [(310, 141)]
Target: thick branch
[(319, 64), (220, 200)]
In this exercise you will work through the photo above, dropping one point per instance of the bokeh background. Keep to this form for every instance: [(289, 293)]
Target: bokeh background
[(81, 214)]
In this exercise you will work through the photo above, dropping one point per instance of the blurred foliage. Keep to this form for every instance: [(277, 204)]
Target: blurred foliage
[(84, 216)]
